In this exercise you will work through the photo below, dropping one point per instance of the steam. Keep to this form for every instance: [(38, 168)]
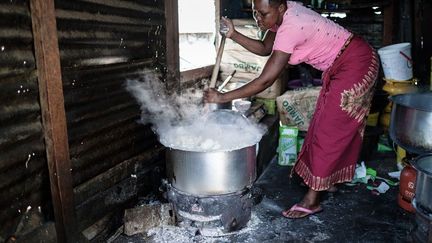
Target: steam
[(182, 122)]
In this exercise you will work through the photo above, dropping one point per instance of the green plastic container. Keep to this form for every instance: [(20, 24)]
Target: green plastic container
[(287, 147)]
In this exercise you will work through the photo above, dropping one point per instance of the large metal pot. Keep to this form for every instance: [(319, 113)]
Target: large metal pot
[(411, 122), (211, 173), (423, 191)]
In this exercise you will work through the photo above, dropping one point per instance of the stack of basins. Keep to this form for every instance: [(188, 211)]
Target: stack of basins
[(411, 128), (397, 65)]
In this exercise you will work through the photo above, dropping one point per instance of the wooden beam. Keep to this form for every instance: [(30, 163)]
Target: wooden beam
[(217, 20), (172, 45), (53, 117), (388, 26), (196, 74)]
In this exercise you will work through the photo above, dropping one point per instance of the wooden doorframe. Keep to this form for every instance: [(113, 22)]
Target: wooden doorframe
[(54, 117), (172, 45)]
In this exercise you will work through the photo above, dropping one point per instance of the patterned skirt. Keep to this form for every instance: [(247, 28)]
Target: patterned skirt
[(334, 138)]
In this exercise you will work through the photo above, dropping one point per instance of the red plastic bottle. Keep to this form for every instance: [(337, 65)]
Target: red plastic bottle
[(407, 188)]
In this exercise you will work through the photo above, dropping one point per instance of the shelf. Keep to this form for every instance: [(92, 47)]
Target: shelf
[(329, 11), (343, 8)]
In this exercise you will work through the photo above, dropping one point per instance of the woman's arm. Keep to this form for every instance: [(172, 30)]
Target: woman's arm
[(270, 73), (259, 47)]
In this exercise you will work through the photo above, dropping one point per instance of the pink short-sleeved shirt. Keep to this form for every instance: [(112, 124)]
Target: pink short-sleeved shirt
[(309, 37)]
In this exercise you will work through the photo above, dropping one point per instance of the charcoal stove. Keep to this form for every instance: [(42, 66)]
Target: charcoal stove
[(221, 213), (210, 186), (212, 190)]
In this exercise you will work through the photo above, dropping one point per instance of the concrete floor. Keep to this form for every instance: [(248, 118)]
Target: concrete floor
[(353, 214)]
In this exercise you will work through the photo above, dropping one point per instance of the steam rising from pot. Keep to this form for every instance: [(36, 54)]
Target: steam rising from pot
[(181, 122)]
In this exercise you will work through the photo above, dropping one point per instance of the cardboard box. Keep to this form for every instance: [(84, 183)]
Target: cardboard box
[(287, 147)]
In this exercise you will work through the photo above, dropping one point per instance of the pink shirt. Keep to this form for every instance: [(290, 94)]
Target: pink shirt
[(309, 37)]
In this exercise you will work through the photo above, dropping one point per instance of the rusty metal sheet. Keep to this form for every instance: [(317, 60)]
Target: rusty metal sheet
[(23, 166), (103, 44)]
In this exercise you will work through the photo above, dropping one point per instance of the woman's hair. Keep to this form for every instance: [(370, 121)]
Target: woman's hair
[(276, 2)]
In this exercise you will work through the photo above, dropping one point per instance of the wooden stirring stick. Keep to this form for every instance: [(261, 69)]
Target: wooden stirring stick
[(217, 65)]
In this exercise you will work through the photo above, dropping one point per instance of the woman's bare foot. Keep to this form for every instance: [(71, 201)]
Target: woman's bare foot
[(309, 205)]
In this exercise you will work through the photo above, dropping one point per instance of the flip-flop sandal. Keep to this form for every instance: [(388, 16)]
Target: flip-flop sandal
[(299, 208)]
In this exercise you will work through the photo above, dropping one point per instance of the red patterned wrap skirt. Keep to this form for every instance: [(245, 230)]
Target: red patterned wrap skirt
[(334, 138)]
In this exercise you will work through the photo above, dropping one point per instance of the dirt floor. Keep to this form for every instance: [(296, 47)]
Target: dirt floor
[(352, 214)]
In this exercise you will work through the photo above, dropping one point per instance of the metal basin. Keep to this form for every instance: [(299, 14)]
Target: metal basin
[(423, 191), (220, 106), (211, 173), (411, 122)]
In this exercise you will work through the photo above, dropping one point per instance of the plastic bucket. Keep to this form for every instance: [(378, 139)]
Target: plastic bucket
[(396, 61)]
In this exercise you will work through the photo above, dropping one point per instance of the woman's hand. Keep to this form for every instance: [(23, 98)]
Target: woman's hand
[(226, 27), (213, 96)]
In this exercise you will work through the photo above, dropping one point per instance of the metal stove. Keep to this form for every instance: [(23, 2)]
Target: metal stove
[(211, 190), (224, 213), (410, 129), (423, 228)]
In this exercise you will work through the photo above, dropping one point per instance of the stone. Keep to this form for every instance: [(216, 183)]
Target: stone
[(141, 219)]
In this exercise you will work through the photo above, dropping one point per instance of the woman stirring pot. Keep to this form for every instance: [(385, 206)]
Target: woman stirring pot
[(296, 34)]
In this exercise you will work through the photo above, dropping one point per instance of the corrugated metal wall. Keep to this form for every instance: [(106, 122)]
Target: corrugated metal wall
[(23, 166), (102, 44)]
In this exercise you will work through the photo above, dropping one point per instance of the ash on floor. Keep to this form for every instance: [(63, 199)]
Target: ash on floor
[(352, 214)]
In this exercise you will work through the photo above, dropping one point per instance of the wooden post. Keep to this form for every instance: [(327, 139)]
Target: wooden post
[(53, 116), (388, 26), (172, 45), (217, 20)]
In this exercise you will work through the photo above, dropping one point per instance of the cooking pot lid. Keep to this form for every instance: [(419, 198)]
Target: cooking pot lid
[(226, 117), (418, 101), (424, 163)]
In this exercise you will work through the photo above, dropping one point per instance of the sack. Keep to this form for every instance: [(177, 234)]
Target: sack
[(296, 107), (248, 66)]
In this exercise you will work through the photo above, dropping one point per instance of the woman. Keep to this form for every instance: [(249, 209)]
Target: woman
[(350, 66)]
